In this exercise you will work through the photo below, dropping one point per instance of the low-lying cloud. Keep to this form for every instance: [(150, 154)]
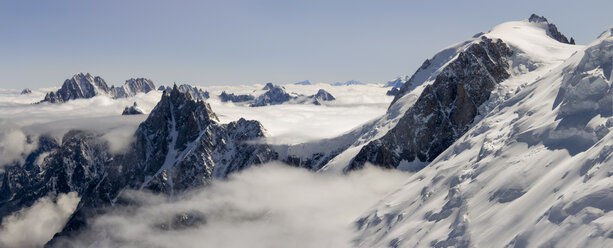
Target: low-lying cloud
[(299, 123), (14, 144), (286, 123), (268, 206), (34, 226)]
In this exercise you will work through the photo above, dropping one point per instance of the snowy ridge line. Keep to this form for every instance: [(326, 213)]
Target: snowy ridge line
[(519, 177)]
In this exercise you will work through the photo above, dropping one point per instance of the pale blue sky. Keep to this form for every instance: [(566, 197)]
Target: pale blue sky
[(235, 42)]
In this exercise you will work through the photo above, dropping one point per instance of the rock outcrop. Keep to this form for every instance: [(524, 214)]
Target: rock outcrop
[(225, 97), (552, 30), (443, 111), (83, 86), (194, 91), (132, 87), (274, 95), (321, 96), (132, 110), (180, 146)]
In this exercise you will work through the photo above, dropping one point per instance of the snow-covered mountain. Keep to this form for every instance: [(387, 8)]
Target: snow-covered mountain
[(398, 82), (132, 110), (87, 86), (225, 97), (444, 98), (348, 83), (535, 171), (194, 91), (180, 146), (132, 87), (507, 137), (276, 94)]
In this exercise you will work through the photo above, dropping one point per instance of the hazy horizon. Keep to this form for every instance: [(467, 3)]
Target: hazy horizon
[(243, 42)]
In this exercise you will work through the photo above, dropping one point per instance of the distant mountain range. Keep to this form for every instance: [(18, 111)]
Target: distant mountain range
[(507, 136)]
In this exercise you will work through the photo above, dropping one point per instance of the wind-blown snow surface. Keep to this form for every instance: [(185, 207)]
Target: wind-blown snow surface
[(534, 54), (272, 205), (536, 171)]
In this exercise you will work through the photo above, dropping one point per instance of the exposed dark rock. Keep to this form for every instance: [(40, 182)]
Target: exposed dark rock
[(392, 92), (26, 91), (79, 86), (444, 110), (269, 86), (552, 30), (225, 97), (195, 92), (132, 110), (87, 86), (274, 95), (321, 97), (180, 146), (132, 87)]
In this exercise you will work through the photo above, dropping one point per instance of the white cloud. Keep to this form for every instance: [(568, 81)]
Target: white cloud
[(34, 226), (14, 145), (270, 206), (298, 123)]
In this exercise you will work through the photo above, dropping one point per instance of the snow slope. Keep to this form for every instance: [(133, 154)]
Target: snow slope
[(535, 171), (534, 53)]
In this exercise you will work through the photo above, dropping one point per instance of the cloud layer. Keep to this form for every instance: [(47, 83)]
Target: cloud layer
[(34, 226), (286, 123), (269, 206)]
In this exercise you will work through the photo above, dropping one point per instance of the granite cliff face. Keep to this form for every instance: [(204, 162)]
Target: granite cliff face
[(195, 92), (87, 86), (225, 97), (79, 86), (443, 111), (277, 95), (180, 146), (274, 95), (132, 87), (321, 96)]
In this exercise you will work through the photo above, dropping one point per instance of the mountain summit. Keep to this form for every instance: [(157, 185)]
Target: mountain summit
[(87, 86)]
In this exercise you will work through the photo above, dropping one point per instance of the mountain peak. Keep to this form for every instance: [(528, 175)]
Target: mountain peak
[(552, 30), (536, 18)]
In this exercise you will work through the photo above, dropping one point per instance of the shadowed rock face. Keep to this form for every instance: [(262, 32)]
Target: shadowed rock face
[(196, 93), (87, 86), (392, 92), (225, 97), (132, 87), (552, 30), (443, 111), (274, 95), (321, 97), (79, 86), (180, 146), (132, 110)]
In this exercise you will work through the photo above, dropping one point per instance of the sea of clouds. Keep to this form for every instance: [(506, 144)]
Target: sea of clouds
[(273, 205), (20, 118), (268, 206)]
